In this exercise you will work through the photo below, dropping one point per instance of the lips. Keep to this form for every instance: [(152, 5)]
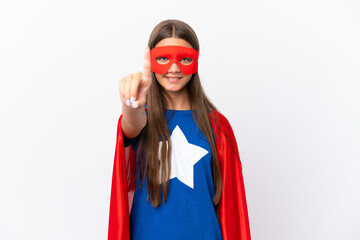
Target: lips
[(172, 79)]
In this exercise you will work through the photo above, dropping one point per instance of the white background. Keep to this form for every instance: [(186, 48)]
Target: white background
[(285, 74)]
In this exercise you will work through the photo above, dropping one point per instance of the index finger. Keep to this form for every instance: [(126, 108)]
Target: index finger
[(147, 65)]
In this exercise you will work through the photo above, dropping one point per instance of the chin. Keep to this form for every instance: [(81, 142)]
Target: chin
[(172, 89)]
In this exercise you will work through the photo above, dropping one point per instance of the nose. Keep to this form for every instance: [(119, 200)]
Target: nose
[(174, 68)]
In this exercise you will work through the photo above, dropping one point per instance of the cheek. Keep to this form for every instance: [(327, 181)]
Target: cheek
[(158, 76), (187, 77)]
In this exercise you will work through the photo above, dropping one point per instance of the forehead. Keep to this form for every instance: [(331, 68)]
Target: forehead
[(173, 41)]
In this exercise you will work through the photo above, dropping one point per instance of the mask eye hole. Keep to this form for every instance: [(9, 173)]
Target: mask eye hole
[(162, 60), (186, 61)]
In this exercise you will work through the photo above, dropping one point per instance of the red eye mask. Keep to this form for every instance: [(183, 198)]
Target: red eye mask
[(174, 54)]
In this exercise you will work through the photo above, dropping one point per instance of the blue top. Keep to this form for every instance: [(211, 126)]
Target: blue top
[(188, 212)]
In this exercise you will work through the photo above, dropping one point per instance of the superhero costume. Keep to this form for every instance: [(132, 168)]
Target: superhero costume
[(232, 207)]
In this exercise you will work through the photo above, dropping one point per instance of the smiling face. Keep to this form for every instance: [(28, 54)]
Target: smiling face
[(173, 81)]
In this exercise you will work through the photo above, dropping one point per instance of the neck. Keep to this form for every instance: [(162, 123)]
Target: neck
[(180, 100)]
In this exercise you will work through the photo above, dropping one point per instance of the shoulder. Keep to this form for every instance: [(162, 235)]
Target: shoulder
[(224, 133), (219, 120)]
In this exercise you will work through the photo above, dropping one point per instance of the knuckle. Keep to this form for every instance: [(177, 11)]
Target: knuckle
[(139, 75)]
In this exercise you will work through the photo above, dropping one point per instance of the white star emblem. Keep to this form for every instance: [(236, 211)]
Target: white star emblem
[(184, 156)]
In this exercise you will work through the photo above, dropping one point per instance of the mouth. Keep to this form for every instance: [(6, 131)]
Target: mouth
[(172, 79)]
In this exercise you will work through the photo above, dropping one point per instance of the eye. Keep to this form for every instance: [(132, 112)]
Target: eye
[(186, 61), (162, 60)]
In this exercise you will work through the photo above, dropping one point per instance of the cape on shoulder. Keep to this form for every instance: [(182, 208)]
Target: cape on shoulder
[(233, 212)]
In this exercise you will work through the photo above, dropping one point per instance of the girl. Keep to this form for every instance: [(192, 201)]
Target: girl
[(177, 171)]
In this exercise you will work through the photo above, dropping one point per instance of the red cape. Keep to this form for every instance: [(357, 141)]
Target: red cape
[(234, 220)]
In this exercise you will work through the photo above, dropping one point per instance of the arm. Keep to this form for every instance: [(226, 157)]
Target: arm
[(133, 121), (133, 89)]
